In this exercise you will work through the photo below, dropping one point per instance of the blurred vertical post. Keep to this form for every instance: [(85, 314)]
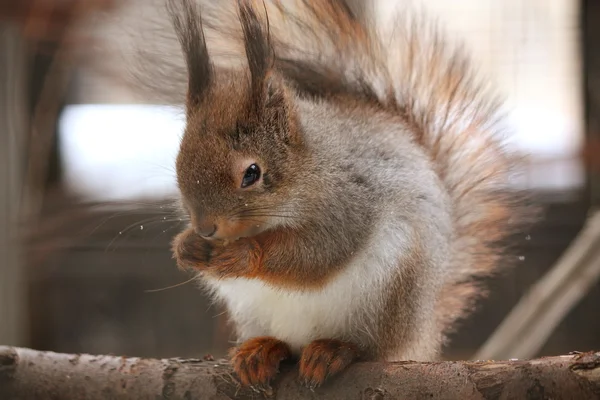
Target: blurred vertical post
[(13, 134), (590, 18)]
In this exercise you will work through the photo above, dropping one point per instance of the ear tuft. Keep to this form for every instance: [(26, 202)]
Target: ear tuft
[(187, 22), (258, 50)]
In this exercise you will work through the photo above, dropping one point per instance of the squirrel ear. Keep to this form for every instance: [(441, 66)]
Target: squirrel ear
[(279, 112), (187, 22), (274, 92)]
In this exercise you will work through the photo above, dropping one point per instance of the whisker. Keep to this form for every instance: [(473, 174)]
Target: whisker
[(254, 216), (255, 210), (134, 204), (141, 223), (219, 314), (172, 286), (123, 213), (164, 231)]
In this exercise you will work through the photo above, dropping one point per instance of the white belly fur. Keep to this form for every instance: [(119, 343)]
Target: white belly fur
[(342, 309)]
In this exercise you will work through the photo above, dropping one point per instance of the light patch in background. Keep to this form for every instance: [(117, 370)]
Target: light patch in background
[(120, 152), (530, 50)]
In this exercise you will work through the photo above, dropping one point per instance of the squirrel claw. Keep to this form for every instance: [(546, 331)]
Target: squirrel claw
[(310, 385), (324, 358), (256, 362), (254, 389), (257, 389), (266, 390)]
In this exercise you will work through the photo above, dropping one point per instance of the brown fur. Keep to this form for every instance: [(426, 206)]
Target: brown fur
[(258, 257), (325, 358), (256, 362)]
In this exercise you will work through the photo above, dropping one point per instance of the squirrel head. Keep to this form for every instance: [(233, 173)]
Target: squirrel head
[(241, 139)]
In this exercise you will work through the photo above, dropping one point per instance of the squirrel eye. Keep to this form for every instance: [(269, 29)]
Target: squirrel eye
[(251, 175)]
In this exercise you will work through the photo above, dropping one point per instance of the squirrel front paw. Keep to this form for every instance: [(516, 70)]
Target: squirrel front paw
[(234, 259), (256, 361), (324, 358), (191, 250)]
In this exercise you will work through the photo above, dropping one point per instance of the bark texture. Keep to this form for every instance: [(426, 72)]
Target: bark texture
[(30, 374)]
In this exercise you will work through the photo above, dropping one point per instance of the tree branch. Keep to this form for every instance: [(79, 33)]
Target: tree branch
[(29, 374)]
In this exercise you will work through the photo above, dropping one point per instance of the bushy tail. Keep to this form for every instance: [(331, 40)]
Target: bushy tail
[(335, 49)]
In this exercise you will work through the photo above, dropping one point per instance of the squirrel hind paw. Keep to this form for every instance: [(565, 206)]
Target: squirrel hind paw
[(256, 361), (324, 358)]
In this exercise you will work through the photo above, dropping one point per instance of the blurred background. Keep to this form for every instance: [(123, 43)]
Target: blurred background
[(87, 183)]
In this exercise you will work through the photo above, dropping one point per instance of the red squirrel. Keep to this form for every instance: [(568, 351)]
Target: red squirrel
[(346, 184)]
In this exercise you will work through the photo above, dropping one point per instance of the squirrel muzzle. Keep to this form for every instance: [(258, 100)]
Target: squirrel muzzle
[(224, 229)]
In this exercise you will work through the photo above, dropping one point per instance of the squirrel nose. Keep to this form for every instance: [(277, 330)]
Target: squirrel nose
[(205, 230)]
